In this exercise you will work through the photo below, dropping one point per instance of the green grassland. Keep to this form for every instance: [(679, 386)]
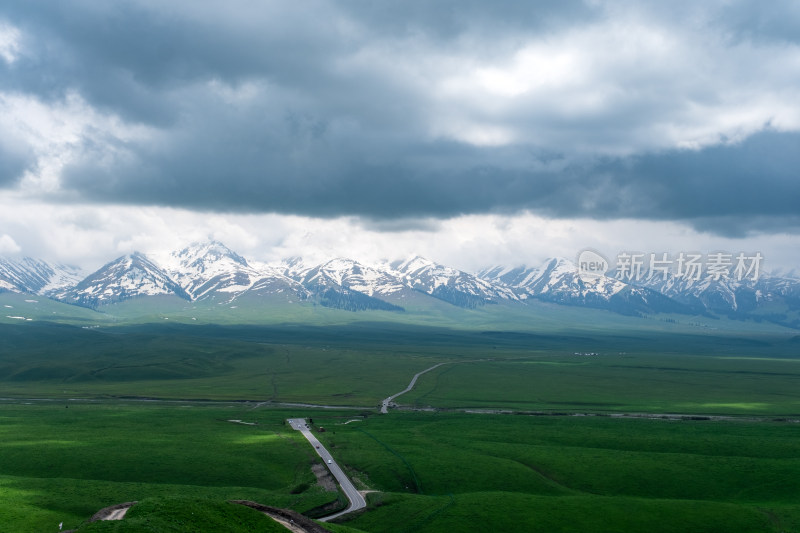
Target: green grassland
[(78, 432), (446, 472), (617, 383), (434, 471), (177, 514), (306, 365), (358, 365), (60, 463)]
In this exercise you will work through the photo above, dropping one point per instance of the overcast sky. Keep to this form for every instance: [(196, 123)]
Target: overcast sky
[(472, 132)]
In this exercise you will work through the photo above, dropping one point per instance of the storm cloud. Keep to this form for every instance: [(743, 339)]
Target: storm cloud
[(399, 110)]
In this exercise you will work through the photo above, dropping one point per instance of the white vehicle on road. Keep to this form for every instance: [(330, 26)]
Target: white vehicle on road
[(356, 498)]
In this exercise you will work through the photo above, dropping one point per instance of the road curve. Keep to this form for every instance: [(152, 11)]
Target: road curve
[(357, 501), (390, 399)]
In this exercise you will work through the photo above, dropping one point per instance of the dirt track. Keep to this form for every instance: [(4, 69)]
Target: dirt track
[(113, 512), (291, 519)]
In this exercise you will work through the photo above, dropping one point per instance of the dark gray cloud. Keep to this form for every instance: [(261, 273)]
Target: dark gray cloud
[(299, 172), (394, 225), (377, 109), (730, 189), (758, 176), (128, 57)]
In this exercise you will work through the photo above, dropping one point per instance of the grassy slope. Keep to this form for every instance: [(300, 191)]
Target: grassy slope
[(532, 316), (438, 471), (489, 472), (179, 514), (38, 308), (63, 464), (506, 511)]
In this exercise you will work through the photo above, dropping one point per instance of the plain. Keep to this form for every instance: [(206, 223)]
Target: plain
[(541, 430)]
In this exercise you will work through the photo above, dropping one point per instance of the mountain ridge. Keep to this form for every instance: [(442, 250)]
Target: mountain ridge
[(210, 271)]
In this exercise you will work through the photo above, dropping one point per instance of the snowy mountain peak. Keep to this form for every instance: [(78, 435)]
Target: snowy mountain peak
[(206, 267), (414, 263), (557, 267), (126, 277), (199, 254), (450, 284), (559, 281), (351, 275)]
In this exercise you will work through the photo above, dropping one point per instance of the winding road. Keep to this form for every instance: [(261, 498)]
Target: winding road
[(390, 399), (357, 501)]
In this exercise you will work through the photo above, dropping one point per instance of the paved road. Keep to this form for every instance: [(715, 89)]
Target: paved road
[(356, 499), (390, 399)]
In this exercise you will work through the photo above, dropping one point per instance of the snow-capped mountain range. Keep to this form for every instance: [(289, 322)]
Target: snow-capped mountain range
[(212, 272), (559, 281), (37, 277)]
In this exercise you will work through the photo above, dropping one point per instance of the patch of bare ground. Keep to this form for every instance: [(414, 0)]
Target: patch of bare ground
[(324, 478), (113, 512)]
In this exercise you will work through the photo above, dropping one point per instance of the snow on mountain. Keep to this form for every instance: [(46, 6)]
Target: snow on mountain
[(203, 268), (509, 276), (726, 294), (271, 282), (345, 283), (559, 281), (352, 275), (18, 277), (124, 278), (63, 278), (210, 271), (705, 292), (37, 277), (560, 278), (448, 284)]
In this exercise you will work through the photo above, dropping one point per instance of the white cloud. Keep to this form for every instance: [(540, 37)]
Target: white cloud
[(90, 235), (8, 245), (59, 133), (9, 42), (628, 83)]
